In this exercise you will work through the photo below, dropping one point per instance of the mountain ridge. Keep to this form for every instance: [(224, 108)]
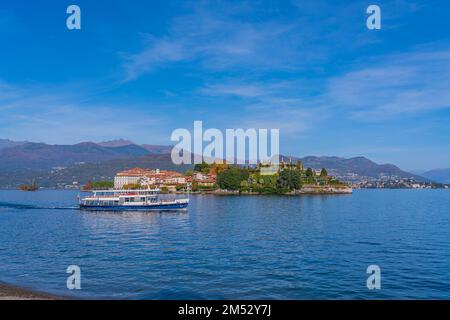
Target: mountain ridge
[(34, 157), (6, 143), (346, 168), (440, 175), (41, 156)]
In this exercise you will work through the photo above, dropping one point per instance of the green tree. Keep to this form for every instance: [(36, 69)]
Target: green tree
[(203, 167), (231, 178), (102, 185), (309, 173), (324, 173), (244, 185), (289, 179)]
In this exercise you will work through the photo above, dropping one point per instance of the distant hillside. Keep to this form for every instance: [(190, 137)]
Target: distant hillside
[(20, 162), (82, 173), (153, 149), (354, 168), (40, 156), (438, 175), (6, 143), (116, 143)]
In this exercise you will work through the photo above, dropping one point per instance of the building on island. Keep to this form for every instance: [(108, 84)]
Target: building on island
[(147, 177), (163, 179), (128, 177), (204, 180)]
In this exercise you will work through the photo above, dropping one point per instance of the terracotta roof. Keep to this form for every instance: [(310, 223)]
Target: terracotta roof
[(207, 181), (156, 175), (134, 172)]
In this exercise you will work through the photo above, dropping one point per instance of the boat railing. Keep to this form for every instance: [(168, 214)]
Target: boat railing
[(117, 192)]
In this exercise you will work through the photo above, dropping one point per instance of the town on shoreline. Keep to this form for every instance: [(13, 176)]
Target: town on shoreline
[(223, 179)]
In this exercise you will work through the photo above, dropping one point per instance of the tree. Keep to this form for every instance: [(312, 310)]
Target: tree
[(203, 167), (132, 186), (88, 186), (309, 173), (102, 185), (164, 190), (244, 185), (324, 173), (231, 179), (289, 179), (299, 165)]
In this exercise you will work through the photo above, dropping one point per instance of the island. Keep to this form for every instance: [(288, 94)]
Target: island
[(286, 178)]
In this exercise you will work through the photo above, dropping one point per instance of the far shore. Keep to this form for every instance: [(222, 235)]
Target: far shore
[(9, 292)]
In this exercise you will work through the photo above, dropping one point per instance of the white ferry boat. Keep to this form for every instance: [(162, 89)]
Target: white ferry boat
[(130, 200)]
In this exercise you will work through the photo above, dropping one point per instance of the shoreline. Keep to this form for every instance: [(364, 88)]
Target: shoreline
[(11, 292), (307, 190)]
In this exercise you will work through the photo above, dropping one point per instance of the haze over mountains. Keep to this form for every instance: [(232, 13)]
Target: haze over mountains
[(6, 143), (21, 162), (355, 169), (438, 175), (40, 156)]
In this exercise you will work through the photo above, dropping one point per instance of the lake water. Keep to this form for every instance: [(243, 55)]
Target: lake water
[(230, 247)]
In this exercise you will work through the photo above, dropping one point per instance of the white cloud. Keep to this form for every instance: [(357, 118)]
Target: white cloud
[(268, 104), (246, 89), (7, 92), (222, 36), (393, 86)]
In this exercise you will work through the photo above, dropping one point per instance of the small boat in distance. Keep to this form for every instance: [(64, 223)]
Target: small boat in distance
[(130, 200), (31, 187)]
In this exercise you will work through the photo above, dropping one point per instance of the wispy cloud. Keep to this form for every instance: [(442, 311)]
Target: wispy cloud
[(380, 89), (221, 35), (247, 89), (7, 92), (393, 86), (269, 104)]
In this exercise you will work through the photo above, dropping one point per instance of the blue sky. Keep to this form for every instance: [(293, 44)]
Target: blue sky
[(139, 70)]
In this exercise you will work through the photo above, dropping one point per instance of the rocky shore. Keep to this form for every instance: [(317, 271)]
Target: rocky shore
[(8, 292), (305, 190)]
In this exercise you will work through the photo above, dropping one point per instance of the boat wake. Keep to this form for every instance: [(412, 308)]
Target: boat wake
[(34, 207)]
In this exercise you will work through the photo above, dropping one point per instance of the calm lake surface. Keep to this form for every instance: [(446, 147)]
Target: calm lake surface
[(230, 247)]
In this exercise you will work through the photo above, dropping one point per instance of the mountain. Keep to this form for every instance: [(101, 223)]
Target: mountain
[(40, 156), (22, 161), (116, 143), (354, 169), (438, 175), (357, 169), (6, 143), (154, 149), (83, 172)]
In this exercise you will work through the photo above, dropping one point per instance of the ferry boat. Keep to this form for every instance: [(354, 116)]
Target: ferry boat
[(130, 200)]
